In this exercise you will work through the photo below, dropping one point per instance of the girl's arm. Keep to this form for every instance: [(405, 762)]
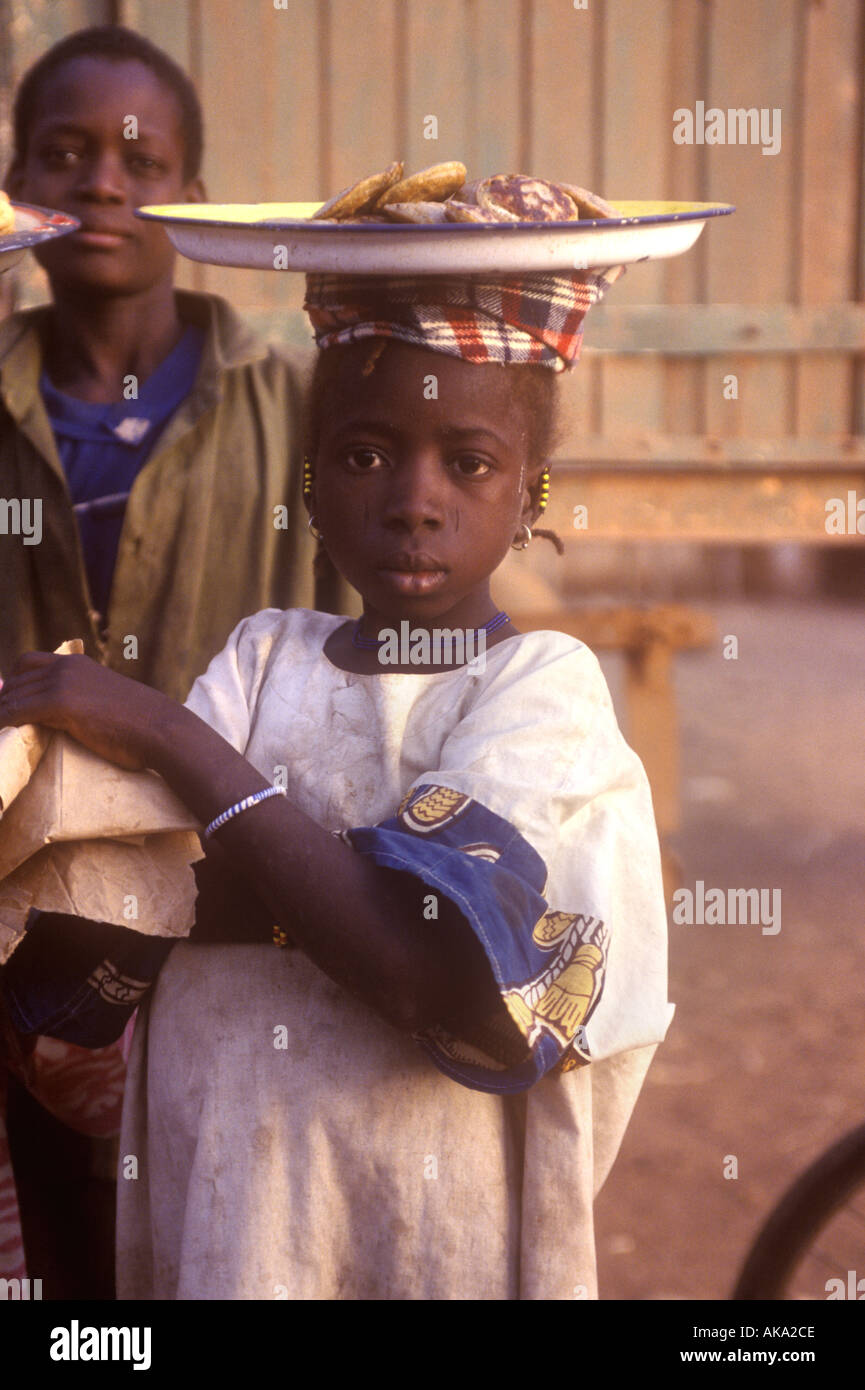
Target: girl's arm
[(361, 924)]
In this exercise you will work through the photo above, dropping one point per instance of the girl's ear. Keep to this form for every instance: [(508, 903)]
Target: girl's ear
[(535, 492), (308, 485)]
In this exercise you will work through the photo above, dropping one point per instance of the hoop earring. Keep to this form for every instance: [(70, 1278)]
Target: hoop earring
[(525, 544), (311, 527)]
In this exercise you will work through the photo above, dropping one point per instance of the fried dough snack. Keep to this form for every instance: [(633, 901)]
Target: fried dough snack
[(416, 212), (431, 185), (515, 198), (589, 204), (360, 196), (441, 194), (7, 215)]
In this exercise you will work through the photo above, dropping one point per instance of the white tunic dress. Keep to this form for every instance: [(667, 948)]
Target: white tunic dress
[(290, 1143)]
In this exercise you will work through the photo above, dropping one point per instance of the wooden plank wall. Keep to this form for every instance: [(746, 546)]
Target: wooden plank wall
[(298, 101)]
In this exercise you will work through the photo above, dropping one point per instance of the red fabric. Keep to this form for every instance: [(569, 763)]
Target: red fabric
[(82, 1087), (533, 319)]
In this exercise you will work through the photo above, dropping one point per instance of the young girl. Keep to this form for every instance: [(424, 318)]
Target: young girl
[(420, 1096)]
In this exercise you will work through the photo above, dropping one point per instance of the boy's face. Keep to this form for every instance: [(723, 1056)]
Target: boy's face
[(419, 496), (79, 160)]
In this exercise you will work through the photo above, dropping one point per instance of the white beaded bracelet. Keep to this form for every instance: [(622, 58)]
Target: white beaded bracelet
[(243, 805)]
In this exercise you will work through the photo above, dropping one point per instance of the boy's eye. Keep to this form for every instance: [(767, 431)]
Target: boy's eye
[(471, 466), (364, 460), (60, 157), (145, 163)]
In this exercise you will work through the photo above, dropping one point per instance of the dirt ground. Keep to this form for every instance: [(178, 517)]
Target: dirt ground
[(764, 1058)]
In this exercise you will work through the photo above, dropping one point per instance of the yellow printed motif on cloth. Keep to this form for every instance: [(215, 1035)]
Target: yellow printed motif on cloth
[(435, 808), (561, 998)]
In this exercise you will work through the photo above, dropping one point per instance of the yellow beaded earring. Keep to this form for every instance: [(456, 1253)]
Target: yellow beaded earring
[(307, 493), (544, 496)]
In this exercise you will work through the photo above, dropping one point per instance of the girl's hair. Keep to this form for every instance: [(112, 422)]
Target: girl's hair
[(535, 388)]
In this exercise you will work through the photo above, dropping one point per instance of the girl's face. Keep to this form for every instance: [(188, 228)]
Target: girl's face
[(421, 481)]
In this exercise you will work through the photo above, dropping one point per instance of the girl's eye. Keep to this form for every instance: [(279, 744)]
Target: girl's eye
[(364, 460), (471, 466)]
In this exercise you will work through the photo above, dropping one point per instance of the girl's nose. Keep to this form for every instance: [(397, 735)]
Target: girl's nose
[(415, 496)]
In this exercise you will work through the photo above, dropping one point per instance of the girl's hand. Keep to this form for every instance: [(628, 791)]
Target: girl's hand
[(110, 714)]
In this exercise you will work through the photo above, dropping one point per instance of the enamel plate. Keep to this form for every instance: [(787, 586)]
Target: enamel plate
[(282, 236), (32, 226)]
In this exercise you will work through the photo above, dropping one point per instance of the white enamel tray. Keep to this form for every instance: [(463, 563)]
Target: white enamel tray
[(274, 236), (32, 226)]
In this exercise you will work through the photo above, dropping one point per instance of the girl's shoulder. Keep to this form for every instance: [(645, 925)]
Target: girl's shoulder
[(542, 705), (273, 644), (549, 666), (546, 646), (272, 631), (304, 625)]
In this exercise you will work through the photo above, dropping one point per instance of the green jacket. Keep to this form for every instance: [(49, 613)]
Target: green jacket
[(205, 541)]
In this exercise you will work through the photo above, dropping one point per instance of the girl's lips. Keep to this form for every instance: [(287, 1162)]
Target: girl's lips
[(413, 581)]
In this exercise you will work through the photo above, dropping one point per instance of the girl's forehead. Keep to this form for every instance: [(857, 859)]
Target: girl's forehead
[(403, 378)]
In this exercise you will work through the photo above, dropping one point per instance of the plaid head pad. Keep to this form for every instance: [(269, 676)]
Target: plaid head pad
[(531, 319)]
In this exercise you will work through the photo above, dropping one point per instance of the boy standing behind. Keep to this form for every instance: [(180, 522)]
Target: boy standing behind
[(158, 437), (154, 437)]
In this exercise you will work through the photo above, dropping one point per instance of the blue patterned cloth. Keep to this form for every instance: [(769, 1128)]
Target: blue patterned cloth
[(549, 966), (78, 980)]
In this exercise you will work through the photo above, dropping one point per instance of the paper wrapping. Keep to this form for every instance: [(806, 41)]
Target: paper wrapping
[(21, 749), (83, 837)]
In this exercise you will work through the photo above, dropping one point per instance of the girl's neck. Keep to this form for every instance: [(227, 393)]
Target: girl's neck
[(408, 640)]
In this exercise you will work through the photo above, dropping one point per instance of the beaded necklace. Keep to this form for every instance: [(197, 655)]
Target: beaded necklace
[(372, 644)]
